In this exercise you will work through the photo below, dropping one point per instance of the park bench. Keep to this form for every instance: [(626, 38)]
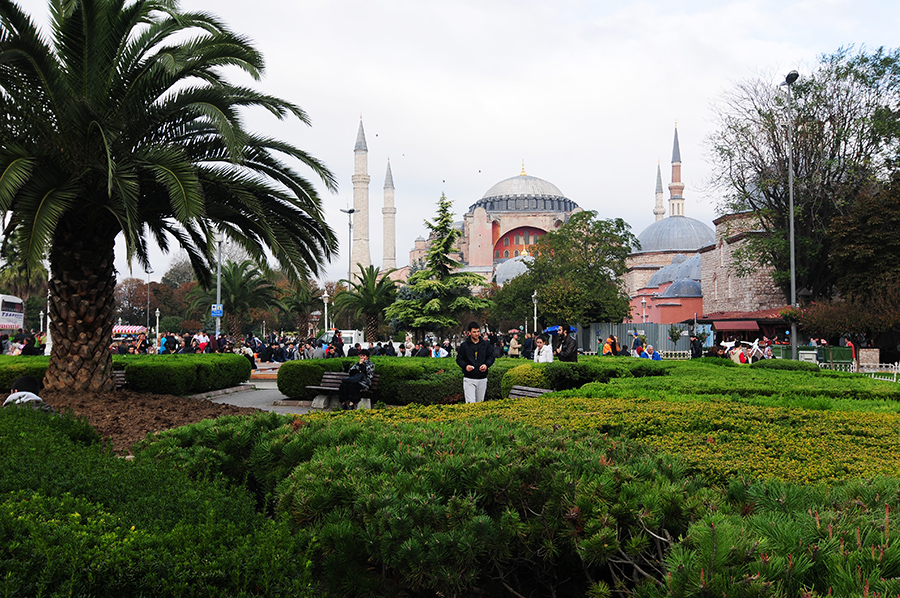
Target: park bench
[(522, 392), (119, 377), (327, 398)]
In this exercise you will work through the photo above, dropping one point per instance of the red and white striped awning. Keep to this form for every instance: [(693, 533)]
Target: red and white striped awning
[(129, 329)]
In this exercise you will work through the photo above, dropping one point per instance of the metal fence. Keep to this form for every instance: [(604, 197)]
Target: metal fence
[(889, 372), (590, 339)]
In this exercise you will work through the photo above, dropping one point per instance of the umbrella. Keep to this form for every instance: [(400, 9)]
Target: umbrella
[(554, 330)]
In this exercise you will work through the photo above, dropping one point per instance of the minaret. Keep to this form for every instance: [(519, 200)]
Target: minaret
[(676, 187), (360, 252), (390, 229), (659, 211)]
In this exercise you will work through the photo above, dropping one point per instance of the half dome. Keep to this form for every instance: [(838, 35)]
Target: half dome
[(511, 268)]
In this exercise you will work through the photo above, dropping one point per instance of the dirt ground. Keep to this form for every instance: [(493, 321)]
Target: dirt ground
[(127, 417)]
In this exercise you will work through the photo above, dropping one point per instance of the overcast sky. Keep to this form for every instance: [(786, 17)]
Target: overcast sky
[(459, 93)]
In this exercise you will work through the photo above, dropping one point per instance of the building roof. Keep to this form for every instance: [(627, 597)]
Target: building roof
[(524, 193), (361, 139), (683, 288), (681, 268), (676, 233)]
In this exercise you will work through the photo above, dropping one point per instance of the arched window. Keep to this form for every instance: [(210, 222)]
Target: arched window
[(497, 254), (506, 253), (518, 239), (516, 253), (506, 242), (527, 242)]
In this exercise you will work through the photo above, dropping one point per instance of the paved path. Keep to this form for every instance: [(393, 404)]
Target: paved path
[(260, 394)]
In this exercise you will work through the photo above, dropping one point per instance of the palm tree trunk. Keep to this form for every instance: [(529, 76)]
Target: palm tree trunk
[(371, 328), (82, 307)]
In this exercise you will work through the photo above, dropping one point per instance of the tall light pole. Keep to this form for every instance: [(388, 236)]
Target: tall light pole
[(219, 283), (349, 212), (325, 298), (157, 328), (643, 310), (534, 300), (789, 81), (149, 271)]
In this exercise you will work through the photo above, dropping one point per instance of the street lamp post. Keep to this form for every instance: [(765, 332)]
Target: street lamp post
[(219, 283), (643, 310), (157, 328), (789, 81), (534, 300), (149, 271), (325, 298), (42, 320), (349, 212)]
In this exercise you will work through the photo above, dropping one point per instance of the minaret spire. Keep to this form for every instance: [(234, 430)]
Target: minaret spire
[(676, 187), (360, 252), (659, 211), (389, 213)]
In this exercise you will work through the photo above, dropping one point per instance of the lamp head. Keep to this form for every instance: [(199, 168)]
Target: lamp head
[(791, 77)]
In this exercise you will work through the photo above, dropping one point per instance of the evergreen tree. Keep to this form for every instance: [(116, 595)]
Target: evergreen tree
[(436, 295)]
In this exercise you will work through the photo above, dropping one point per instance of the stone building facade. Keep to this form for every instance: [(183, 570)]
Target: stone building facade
[(725, 291)]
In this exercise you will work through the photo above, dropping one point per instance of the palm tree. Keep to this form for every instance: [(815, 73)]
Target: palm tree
[(301, 300), (243, 288), (123, 123), (369, 295)]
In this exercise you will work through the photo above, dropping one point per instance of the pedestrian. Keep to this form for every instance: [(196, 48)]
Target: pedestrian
[(651, 353), (568, 346), (474, 356), (696, 346), (514, 346), (542, 352), (637, 346)]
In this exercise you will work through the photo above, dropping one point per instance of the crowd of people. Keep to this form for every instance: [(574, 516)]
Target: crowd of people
[(22, 343)]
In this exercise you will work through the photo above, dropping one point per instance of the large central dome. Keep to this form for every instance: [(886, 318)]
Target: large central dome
[(524, 193), (676, 233)]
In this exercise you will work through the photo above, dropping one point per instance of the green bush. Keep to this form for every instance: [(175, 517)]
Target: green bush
[(183, 374), (526, 374), (785, 364), (440, 388), (392, 371), (13, 366), (77, 520), (295, 376)]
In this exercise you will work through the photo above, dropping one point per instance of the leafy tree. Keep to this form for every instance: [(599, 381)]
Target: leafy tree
[(436, 295), (369, 294), (512, 302), (861, 320), (844, 125), (244, 288), (15, 277), (675, 332), (179, 272), (124, 123), (577, 270), (131, 301), (865, 257)]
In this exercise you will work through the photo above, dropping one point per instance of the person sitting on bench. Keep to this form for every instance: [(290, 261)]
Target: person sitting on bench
[(359, 379)]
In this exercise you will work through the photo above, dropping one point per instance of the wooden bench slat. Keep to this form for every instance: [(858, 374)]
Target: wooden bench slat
[(519, 392)]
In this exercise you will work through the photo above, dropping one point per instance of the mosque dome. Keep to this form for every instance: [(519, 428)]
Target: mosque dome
[(683, 288), (681, 268), (524, 193), (511, 268), (675, 233)]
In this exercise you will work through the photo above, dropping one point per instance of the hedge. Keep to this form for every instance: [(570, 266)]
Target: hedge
[(295, 376), (160, 374)]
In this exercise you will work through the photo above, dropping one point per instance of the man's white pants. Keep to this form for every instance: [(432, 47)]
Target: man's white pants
[(474, 389)]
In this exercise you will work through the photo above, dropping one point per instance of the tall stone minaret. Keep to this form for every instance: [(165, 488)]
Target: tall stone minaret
[(659, 211), (390, 229), (360, 253), (676, 187)]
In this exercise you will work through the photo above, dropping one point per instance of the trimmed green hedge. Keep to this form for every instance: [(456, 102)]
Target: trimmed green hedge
[(295, 376), (13, 366), (785, 364)]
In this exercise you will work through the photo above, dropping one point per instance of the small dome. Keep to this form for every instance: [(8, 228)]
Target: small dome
[(675, 233), (524, 193), (681, 268), (683, 288), (511, 268)]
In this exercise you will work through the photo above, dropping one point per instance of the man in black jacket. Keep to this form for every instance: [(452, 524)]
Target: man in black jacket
[(568, 346), (474, 356)]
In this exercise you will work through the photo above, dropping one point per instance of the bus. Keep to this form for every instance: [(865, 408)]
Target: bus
[(12, 313)]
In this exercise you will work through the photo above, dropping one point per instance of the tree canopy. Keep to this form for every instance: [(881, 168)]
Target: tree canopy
[(577, 272), (438, 294), (123, 122), (368, 294), (843, 120)]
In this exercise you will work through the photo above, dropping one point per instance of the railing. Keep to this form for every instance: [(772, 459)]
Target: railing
[(889, 372), (676, 355)]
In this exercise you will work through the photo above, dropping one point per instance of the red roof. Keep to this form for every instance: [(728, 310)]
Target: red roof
[(763, 314)]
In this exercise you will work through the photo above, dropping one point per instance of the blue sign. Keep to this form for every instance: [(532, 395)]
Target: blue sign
[(217, 310)]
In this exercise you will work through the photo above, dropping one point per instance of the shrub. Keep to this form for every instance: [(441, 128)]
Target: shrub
[(295, 376), (441, 388), (13, 366), (785, 364), (391, 372), (183, 374), (524, 375)]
